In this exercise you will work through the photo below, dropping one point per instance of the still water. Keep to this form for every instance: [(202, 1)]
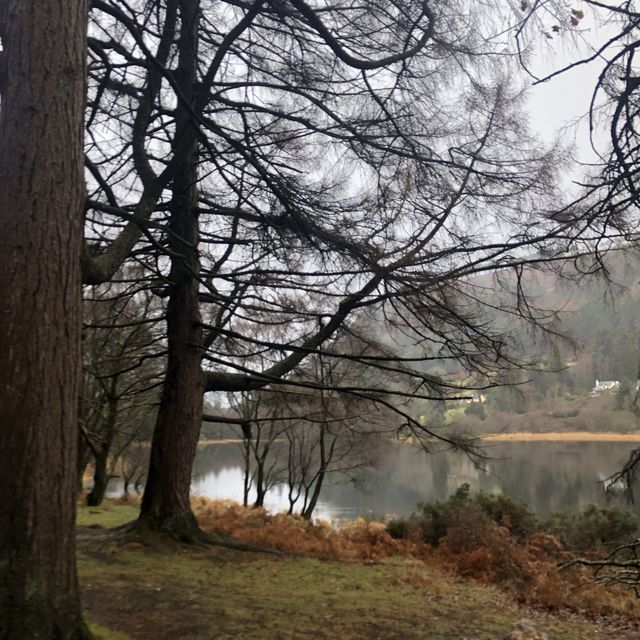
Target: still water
[(549, 476)]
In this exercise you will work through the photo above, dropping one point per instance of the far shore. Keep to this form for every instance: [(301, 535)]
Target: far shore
[(521, 436), (562, 436), (221, 441)]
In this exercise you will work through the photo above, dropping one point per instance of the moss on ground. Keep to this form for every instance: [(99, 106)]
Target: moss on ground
[(133, 593)]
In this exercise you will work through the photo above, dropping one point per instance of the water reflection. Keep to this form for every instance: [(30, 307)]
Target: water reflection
[(547, 476)]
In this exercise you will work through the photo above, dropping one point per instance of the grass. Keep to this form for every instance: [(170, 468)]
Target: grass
[(133, 593), (109, 514)]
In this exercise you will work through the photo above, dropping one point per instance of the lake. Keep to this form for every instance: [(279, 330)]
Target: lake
[(548, 476)]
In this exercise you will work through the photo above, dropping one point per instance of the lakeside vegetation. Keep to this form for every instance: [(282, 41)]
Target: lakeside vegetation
[(357, 583), (561, 436)]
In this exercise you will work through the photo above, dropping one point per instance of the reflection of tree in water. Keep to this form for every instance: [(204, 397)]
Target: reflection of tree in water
[(523, 473), (575, 495), (440, 475), (544, 489), (402, 480), (213, 458)]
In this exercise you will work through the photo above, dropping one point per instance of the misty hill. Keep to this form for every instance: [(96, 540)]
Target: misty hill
[(596, 321)]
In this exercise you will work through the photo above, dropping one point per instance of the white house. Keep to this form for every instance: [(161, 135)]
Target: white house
[(604, 385)]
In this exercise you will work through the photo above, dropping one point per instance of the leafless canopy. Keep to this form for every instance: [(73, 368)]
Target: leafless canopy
[(357, 164), (606, 37)]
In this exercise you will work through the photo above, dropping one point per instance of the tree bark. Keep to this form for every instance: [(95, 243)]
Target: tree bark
[(41, 210), (83, 457), (261, 492), (310, 506), (246, 443), (101, 458), (307, 513), (100, 481), (165, 503)]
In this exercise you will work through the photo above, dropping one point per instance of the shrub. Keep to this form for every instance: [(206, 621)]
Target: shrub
[(483, 550), (462, 511), (398, 528), (479, 548), (509, 513), (438, 517), (593, 528)]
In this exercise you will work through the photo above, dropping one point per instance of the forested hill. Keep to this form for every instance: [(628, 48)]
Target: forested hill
[(601, 315), (597, 319)]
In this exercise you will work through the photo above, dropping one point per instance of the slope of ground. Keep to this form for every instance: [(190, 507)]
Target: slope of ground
[(133, 593)]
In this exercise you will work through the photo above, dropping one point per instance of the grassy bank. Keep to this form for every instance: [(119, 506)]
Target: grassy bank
[(133, 593)]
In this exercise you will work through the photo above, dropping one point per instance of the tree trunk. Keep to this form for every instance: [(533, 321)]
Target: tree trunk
[(247, 472), (83, 456), (309, 507), (260, 489), (42, 75), (100, 471), (165, 504), (100, 479), (315, 494)]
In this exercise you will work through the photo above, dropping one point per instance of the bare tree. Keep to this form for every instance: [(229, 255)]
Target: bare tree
[(283, 168), (333, 433), (297, 436), (608, 42), (261, 429), (321, 445), (42, 78), (122, 371)]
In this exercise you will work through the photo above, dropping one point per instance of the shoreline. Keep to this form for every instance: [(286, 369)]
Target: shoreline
[(208, 441), (562, 436), (519, 436)]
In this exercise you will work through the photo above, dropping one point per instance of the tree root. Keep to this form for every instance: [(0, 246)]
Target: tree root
[(143, 532)]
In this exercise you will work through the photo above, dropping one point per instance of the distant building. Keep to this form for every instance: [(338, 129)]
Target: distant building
[(604, 385), (475, 397)]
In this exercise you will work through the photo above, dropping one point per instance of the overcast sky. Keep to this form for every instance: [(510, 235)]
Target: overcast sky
[(556, 105)]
